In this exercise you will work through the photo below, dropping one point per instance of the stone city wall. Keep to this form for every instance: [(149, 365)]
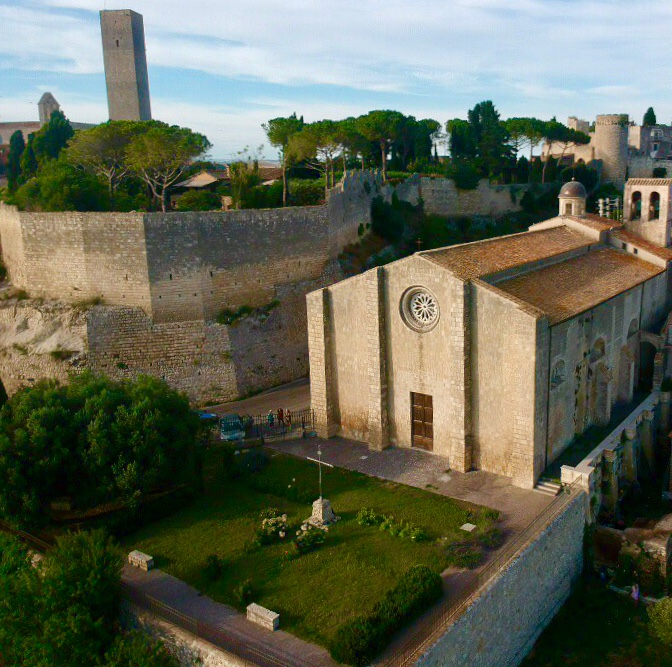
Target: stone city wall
[(503, 622), (442, 197), (162, 280)]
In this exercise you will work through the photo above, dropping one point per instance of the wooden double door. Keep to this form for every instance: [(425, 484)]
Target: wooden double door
[(422, 421)]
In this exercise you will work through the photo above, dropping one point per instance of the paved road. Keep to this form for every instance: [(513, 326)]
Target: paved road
[(295, 396)]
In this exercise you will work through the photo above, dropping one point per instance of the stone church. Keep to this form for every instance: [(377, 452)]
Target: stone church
[(498, 353)]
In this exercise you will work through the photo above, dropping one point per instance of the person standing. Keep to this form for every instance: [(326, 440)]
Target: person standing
[(288, 418), (281, 417), (271, 418)]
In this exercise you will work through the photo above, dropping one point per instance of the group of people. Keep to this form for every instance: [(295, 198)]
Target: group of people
[(284, 418)]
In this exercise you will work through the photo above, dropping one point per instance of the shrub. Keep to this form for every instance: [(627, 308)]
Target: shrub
[(61, 355), (309, 539), (367, 517), (659, 172), (269, 513), (492, 538), (359, 640), (386, 221), (271, 530), (464, 174), (245, 592), (660, 620), (214, 567), (199, 200), (464, 554), (666, 384)]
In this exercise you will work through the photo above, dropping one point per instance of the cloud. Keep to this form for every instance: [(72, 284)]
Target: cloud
[(427, 57)]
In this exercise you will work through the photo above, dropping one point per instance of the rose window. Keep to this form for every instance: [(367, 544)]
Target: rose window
[(419, 309)]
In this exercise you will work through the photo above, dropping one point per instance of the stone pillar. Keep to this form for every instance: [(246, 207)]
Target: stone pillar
[(321, 366), (664, 424), (376, 361), (610, 481), (646, 439), (630, 447)]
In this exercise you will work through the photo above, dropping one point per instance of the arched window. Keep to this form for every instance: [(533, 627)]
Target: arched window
[(568, 208), (598, 350), (654, 206), (558, 374), (636, 206)]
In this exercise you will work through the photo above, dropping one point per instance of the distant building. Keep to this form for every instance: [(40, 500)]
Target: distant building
[(46, 106), (125, 65)]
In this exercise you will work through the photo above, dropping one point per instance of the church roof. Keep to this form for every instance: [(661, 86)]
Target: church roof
[(639, 242), (565, 289), (482, 258), (596, 222), (573, 189)]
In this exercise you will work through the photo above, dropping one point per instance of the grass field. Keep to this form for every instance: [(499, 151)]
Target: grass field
[(598, 628), (315, 592)]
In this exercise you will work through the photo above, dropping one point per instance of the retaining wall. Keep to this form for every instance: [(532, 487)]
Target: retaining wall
[(502, 624)]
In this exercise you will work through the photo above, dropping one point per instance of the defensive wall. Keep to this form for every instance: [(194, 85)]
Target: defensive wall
[(161, 279), (442, 197)]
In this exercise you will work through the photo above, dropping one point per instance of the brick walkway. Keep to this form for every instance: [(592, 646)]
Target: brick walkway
[(286, 648)]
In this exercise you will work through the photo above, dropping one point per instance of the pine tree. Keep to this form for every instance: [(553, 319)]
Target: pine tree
[(17, 146), (649, 117)]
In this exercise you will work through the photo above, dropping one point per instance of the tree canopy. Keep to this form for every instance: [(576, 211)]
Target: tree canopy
[(65, 610), (279, 132), (17, 145), (92, 441), (649, 117)]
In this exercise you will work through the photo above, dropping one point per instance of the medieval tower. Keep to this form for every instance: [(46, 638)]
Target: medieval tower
[(611, 145), (46, 106), (125, 65)]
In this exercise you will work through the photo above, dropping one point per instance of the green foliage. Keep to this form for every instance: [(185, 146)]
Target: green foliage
[(272, 529), (17, 146), (586, 175), (307, 192), (386, 220), (58, 186), (465, 175), (93, 441), (308, 540), (659, 172), (161, 155), (402, 529), (660, 620), (137, 649), (199, 200), (358, 641), (52, 138), (383, 127), (245, 593), (464, 554), (214, 567), (666, 384), (649, 117), (231, 317), (279, 132)]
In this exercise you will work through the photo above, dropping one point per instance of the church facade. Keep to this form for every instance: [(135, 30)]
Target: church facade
[(498, 353)]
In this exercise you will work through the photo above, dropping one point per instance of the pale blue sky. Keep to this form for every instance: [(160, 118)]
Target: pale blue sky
[(223, 67)]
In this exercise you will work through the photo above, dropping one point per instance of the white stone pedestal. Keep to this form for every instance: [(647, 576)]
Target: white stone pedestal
[(322, 515)]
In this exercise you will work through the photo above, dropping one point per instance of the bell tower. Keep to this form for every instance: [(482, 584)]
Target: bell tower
[(646, 209)]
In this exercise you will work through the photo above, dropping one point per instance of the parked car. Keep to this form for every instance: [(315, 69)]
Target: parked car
[(204, 414), (231, 428)]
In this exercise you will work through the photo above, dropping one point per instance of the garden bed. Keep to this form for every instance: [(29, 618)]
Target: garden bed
[(315, 592)]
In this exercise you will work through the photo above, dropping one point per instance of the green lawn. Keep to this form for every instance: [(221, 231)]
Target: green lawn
[(598, 628), (315, 592)]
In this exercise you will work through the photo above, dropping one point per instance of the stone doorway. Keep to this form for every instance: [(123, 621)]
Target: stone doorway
[(422, 421)]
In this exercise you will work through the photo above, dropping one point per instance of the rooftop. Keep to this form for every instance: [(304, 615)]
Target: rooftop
[(596, 222), (482, 258), (568, 288), (650, 181), (639, 242)]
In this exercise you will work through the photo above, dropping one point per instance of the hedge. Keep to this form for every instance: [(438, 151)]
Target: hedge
[(359, 640)]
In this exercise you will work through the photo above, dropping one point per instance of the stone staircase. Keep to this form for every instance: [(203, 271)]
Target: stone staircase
[(548, 487)]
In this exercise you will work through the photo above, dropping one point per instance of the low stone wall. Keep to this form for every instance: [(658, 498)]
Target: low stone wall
[(190, 650), (501, 625)]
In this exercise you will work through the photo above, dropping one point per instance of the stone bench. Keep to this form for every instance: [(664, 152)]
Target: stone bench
[(143, 561), (261, 616)]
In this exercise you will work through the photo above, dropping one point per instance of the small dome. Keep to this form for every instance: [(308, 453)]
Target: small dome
[(573, 189)]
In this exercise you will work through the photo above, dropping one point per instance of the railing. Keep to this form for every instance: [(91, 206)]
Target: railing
[(218, 637), (431, 628), (269, 427)]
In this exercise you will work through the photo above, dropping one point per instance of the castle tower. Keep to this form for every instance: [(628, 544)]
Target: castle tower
[(611, 145), (46, 106), (647, 209), (572, 199), (125, 65)]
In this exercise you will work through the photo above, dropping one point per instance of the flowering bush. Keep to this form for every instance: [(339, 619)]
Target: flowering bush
[(271, 529), (309, 538)]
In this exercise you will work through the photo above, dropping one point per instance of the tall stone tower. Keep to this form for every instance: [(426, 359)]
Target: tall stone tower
[(125, 65), (611, 145), (46, 106)]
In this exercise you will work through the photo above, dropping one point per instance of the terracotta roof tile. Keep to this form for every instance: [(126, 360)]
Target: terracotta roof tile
[(650, 181), (565, 289), (639, 242), (596, 222), (482, 258)]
